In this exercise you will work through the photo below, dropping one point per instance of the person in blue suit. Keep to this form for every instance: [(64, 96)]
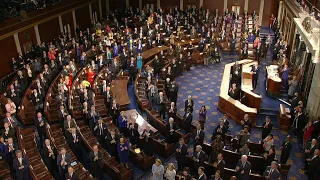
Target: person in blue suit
[(123, 148)]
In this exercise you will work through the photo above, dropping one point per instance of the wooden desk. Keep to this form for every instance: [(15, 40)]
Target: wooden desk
[(133, 114), (273, 81), (234, 108), (253, 99), (120, 91), (147, 55), (284, 117)]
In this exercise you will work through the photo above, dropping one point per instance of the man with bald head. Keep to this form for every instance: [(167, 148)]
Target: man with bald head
[(243, 168)]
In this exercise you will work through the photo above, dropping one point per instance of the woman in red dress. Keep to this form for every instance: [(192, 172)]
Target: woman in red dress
[(90, 76), (307, 133)]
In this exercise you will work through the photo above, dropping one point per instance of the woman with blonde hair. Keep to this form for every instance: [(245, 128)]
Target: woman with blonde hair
[(170, 172), (157, 170)]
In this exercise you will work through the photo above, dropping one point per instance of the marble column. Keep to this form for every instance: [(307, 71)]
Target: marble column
[(200, 3), (225, 5), (280, 10), (17, 42), (36, 31), (107, 6), (181, 5), (74, 20), (127, 4), (60, 24), (158, 4), (90, 12), (140, 4), (261, 11), (246, 4), (100, 9)]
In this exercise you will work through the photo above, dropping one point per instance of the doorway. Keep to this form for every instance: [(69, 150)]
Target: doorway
[(236, 9)]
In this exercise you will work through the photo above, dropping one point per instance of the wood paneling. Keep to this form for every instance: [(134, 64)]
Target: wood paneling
[(95, 8), (117, 4), (170, 4), (213, 5), (239, 3), (104, 8), (27, 38), (254, 5), (145, 2), (270, 7), (83, 17), (191, 3), (8, 46), (134, 4), (49, 30), (67, 19)]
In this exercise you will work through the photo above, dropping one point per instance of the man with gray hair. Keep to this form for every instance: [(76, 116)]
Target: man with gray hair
[(272, 172), (198, 157), (243, 168)]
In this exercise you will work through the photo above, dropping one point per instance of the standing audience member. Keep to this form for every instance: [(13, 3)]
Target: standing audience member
[(170, 173), (157, 170), (285, 150)]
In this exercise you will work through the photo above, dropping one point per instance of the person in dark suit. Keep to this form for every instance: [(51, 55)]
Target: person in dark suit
[(173, 92), (181, 154), (257, 53), (9, 149), (50, 156), (255, 74), (285, 150), (171, 129), (133, 133), (62, 114), (219, 130), (107, 94), (153, 95), (63, 162), (201, 174), (188, 104), (216, 176), (187, 121), (146, 140), (10, 120), (114, 111), (309, 151), (71, 175), (198, 157), (234, 92), (220, 164), (101, 133), (198, 136), (96, 162), (8, 132), (272, 172), (69, 123), (233, 43), (112, 140), (21, 166), (36, 99), (161, 101), (316, 124), (41, 123), (157, 65), (93, 117), (299, 122), (246, 122), (243, 168), (75, 143), (266, 128), (172, 110), (313, 162)]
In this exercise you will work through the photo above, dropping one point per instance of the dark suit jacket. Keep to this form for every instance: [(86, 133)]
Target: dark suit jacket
[(11, 134), (246, 170), (45, 153), (72, 124), (274, 175), (34, 99), (199, 159), (187, 122), (186, 106), (37, 123), (201, 136), (98, 163), (74, 176), (104, 130), (220, 167), (24, 172), (10, 155), (67, 159), (204, 177), (256, 71)]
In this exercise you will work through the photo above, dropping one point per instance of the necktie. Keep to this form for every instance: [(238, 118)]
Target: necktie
[(271, 171), (20, 161), (100, 129)]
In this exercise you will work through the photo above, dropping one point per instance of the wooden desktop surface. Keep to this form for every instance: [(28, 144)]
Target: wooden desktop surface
[(142, 123), (273, 81), (152, 52), (120, 92), (254, 100), (233, 108)]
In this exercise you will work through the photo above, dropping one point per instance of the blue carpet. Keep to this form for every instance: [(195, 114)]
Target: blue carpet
[(203, 83)]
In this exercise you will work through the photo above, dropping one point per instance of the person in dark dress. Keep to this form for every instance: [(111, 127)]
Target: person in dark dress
[(123, 148), (21, 166), (266, 128), (285, 150)]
